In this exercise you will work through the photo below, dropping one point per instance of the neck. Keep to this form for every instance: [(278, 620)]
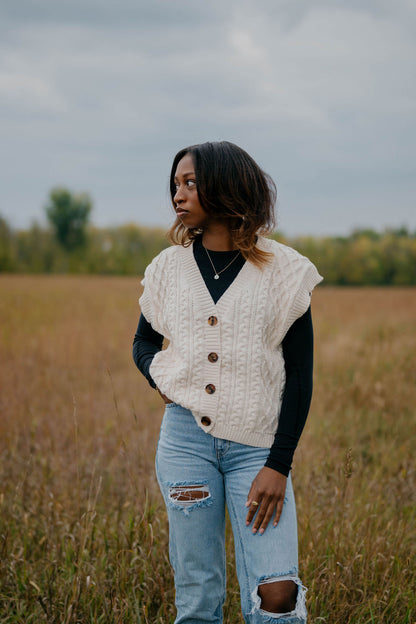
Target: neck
[(216, 237)]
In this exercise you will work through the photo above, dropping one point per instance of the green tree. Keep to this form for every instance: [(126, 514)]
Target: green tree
[(68, 214), (6, 261)]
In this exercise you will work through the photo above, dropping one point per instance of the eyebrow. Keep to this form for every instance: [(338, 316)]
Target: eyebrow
[(190, 173)]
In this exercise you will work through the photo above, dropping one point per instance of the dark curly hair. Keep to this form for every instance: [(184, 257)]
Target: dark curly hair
[(233, 188)]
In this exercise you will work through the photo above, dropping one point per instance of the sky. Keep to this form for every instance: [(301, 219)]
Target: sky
[(98, 96)]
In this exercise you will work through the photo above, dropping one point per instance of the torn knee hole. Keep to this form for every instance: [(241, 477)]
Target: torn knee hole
[(187, 495), (278, 596)]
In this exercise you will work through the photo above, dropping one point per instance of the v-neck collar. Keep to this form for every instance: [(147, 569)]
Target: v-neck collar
[(247, 272)]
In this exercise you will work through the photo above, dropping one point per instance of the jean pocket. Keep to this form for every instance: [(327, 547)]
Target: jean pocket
[(169, 405)]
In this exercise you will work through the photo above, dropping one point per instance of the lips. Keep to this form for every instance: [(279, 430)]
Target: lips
[(180, 212)]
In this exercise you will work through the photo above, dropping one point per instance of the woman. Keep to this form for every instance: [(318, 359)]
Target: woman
[(236, 379)]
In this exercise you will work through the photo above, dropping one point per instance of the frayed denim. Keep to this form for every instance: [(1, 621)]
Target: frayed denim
[(199, 475)]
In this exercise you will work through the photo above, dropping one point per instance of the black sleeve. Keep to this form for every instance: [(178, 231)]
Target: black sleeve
[(298, 355), (147, 342)]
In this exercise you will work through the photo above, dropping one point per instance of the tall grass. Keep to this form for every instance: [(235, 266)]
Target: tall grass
[(83, 533)]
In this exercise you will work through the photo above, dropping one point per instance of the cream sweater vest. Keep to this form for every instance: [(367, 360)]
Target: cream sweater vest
[(236, 392)]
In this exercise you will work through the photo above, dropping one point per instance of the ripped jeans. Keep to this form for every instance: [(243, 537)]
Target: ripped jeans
[(198, 475)]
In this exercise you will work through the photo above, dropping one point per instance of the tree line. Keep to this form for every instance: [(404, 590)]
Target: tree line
[(72, 245)]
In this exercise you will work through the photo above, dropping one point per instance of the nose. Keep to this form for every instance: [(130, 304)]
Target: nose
[(178, 197)]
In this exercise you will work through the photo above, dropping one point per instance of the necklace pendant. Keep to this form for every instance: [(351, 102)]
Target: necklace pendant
[(216, 273)]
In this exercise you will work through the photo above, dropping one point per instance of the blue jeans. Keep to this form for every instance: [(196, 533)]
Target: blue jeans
[(198, 475)]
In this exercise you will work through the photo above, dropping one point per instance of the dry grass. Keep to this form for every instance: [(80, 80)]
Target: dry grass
[(83, 534)]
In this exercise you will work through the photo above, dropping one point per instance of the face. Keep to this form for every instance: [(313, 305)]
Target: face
[(186, 199)]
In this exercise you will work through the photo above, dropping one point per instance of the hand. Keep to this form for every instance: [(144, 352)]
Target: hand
[(268, 489), (164, 397)]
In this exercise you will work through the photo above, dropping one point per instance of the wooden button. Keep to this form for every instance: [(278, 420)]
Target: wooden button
[(210, 388), (205, 421), (212, 320), (213, 357)]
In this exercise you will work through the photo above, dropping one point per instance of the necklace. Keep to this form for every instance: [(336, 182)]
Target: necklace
[(217, 273)]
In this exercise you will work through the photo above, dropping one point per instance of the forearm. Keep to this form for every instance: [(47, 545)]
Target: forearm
[(298, 355), (147, 342)]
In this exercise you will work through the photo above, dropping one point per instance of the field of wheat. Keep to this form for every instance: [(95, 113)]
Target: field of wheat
[(83, 533)]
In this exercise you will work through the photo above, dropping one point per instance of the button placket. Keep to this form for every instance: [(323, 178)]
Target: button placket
[(211, 368)]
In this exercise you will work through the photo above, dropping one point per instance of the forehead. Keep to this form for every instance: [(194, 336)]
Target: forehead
[(184, 166)]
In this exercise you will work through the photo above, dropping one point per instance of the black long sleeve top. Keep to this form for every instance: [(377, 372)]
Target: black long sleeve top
[(297, 349)]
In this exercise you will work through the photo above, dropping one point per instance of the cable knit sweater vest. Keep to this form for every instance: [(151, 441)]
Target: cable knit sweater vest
[(224, 361)]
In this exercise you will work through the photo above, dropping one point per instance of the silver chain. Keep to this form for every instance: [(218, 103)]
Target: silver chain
[(217, 273)]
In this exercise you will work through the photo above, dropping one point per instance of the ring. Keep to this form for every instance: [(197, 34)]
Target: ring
[(255, 503)]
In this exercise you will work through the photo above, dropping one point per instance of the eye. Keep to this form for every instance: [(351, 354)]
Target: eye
[(190, 183)]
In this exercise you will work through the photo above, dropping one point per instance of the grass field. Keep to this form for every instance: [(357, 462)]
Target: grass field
[(83, 534)]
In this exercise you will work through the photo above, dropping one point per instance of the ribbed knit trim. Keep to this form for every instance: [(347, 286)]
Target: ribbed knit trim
[(302, 301), (191, 268), (236, 434)]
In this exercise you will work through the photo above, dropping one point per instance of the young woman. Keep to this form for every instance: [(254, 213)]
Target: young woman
[(236, 379)]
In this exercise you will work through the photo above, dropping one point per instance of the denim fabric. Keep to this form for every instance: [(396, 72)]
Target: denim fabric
[(223, 471)]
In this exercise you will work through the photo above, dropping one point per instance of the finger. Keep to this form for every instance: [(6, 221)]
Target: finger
[(267, 517), (251, 513), (279, 509), (253, 509), (251, 495), (260, 515)]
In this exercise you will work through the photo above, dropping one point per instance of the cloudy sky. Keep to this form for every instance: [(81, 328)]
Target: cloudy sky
[(98, 96)]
